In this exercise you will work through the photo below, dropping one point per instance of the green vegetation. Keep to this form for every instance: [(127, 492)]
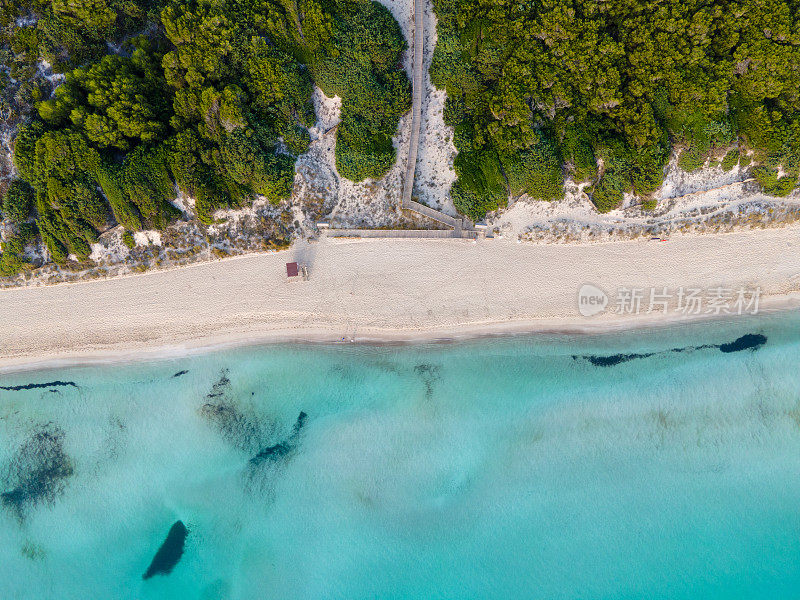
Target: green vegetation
[(117, 102), (364, 71), (67, 32), (12, 250), (649, 204), (18, 202), (127, 239), (731, 160), (772, 184), (213, 98), (608, 88)]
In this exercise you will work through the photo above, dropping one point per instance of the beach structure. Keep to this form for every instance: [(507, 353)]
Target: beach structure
[(296, 272)]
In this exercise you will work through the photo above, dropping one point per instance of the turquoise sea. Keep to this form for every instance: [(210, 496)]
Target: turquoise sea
[(648, 464)]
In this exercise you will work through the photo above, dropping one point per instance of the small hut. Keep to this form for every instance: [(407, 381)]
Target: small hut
[(296, 272)]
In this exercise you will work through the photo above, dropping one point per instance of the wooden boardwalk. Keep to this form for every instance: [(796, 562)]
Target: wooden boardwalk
[(459, 227), (467, 234), (456, 223), (436, 215), (416, 105)]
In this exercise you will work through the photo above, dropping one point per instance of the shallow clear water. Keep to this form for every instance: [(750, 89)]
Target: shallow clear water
[(498, 468)]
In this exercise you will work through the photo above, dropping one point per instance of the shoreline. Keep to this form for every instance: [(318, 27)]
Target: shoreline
[(381, 291), (433, 336)]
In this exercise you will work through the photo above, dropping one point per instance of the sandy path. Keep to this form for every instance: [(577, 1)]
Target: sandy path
[(417, 91), (378, 288)]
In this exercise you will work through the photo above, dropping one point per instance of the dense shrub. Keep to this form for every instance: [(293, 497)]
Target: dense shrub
[(691, 160), (147, 183), (109, 176), (535, 171), (578, 153), (468, 203), (642, 76), (627, 169), (481, 186), (12, 250), (698, 134), (215, 101), (364, 71), (18, 202), (649, 204)]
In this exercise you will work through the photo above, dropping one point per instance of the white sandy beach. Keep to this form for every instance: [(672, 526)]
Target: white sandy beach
[(382, 289)]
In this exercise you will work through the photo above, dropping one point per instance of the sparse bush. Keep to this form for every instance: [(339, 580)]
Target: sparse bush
[(127, 239), (690, 160), (772, 184), (731, 160), (649, 204)]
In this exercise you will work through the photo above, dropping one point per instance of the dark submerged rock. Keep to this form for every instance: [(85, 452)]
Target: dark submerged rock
[(237, 424), (429, 375), (611, 360), (36, 386), (750, 341), (221, 387), (275, 452), (693, 348), (170, 552), (179, 374), (298, 425), (38, 471), (284, 448)]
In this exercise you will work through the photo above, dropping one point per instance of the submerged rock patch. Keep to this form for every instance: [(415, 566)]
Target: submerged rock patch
[(237, 425), (272, 453), (615, 359), (240, 425), (179, 374), (32, 551), (170, 552), (284, 448), (38, 471), (750, 341), (37, 386), (429, 375)]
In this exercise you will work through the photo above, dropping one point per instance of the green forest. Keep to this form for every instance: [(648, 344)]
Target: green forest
[(210, 97), (213, 98), (604, 91)]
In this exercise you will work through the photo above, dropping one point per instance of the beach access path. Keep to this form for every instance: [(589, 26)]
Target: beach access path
[(461, 228), (416, 99)]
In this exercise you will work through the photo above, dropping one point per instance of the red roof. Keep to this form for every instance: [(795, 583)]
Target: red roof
[(292, 270)]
